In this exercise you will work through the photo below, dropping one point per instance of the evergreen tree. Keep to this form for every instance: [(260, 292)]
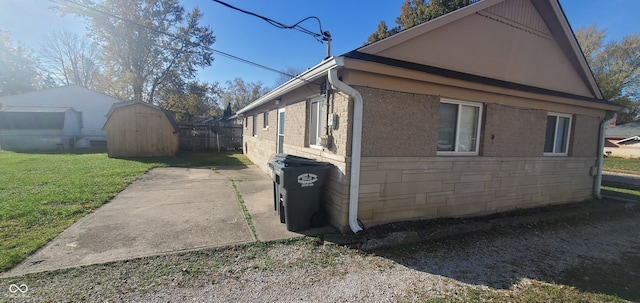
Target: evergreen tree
[(227, 111), (414, 12)]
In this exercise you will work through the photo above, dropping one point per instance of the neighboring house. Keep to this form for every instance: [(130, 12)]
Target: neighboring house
[(487, 109), (623, 140), (39, 128), (138, 129), (94, 107)]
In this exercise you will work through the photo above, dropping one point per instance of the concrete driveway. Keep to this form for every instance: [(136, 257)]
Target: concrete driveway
[(165, 211)]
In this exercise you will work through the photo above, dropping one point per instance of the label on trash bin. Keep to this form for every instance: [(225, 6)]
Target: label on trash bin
[(307, 179)]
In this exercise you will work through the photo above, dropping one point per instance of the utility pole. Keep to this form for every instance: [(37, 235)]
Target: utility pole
[(326, 36)]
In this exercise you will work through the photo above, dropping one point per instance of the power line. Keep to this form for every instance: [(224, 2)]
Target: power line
[(320, 37), (251, 63), (230, 56)]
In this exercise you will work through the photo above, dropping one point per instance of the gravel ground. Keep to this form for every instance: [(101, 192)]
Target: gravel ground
[(304, 270)]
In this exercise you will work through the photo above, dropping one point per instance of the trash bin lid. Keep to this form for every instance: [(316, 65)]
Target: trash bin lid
[(295, 161)]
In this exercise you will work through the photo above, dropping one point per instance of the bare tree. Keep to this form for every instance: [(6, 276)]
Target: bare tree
[(69, 59), (240, 94), (616, 67), (288, 74)]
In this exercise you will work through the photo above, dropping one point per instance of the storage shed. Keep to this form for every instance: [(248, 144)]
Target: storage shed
[(137, 129)]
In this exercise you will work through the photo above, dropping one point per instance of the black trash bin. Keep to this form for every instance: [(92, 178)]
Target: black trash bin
[(297, 184), (280, 161)]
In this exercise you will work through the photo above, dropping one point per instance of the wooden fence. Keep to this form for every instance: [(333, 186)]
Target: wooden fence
[(210, 137)]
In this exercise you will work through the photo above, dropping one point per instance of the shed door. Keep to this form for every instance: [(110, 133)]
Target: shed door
[(147, 133), (280, 139)]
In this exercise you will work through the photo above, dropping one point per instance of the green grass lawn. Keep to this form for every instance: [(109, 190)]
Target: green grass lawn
[(621, 165), (43, 194)]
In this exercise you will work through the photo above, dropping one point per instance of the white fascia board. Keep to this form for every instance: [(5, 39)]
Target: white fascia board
[(627, 139), (320, 70)]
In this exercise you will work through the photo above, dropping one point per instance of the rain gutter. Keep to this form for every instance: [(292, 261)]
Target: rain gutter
[(356, 144)]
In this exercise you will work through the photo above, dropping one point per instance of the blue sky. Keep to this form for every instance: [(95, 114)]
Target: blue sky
[(349, 21)]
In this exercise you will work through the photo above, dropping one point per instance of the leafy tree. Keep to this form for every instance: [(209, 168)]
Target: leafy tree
[(196, 99), (239, 94), (18, 69), (414, 12), (69, 59), (147, 45), (616, 67)]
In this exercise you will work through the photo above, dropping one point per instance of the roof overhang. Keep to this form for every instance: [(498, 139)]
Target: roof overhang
[(559, 27), (318, 71), (366, 59), (403, 69)]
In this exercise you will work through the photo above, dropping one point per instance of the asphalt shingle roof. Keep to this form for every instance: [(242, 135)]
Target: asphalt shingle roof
[(623, 130)]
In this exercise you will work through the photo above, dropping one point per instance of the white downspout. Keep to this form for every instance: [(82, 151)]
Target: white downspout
[(356, 144), (598, 182)]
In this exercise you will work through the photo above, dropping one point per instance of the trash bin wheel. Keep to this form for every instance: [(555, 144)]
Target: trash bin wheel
[(318, 219)]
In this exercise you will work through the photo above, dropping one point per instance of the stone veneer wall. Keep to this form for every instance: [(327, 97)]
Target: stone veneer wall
[(403, 178), (403, 188)]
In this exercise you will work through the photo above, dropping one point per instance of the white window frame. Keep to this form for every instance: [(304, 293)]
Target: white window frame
[(265, 120), (319, 119), (254, 130), (280, 130), (478, 128), (555, 134)]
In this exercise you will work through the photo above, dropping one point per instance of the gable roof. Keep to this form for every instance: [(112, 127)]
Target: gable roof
[(92, 104), (541, 18), (549, 23), (34, 109), (52, 94), (167, 113)]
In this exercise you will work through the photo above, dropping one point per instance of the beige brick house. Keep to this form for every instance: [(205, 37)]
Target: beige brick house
[(486, 109)]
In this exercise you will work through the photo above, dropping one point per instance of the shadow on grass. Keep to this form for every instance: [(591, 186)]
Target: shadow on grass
[(182, 159), (199, 159), (620, 278), (562, 252), (77, 151), (621, 185)]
